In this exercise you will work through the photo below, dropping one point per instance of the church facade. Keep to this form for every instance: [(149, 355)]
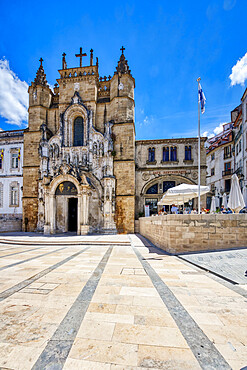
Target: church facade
[(80, 159), (74, 178)]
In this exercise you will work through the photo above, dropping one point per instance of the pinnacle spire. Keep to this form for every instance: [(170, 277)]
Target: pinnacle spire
[(122, 66), (40, 78)]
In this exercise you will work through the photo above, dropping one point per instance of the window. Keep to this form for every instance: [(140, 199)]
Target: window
[(173, 153), (151, 154), (227, 166), (237, 150), (212, 157), (166, 154), (227, 152), (212, 171), (14, 160), (239, 146), (153, 189), (167, 185), (78, 131), (187, 156), (14, 195), (1, 194)]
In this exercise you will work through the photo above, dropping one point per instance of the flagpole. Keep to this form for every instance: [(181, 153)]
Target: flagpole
[(199, 154)]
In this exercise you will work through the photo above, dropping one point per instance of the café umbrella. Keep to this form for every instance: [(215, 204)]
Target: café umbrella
[(236, 199), (224, 200), (245, 195), (181, 194), (213, 205)]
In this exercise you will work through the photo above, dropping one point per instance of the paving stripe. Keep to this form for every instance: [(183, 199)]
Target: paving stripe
[(57, 350), (23, 284), (30, 259), (220, 279), (12, 254), (203, 349)]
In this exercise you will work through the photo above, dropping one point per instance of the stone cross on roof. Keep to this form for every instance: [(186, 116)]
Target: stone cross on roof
[(80, 55), (122, 49)]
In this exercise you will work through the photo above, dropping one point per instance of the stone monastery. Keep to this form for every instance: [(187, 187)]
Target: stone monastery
[(83, 171)]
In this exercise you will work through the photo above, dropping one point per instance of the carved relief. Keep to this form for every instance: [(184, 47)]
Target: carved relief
[(59, 159)]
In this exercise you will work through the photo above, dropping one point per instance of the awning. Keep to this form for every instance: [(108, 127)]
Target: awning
[(182, 194)]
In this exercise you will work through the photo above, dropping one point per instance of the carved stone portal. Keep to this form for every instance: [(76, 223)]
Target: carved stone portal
[(76, 186)]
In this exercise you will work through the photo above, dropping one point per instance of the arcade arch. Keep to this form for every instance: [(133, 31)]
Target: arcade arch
[(153, 190)]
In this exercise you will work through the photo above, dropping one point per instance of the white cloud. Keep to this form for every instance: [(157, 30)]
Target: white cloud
[(219, 128), (207, 134), (213, 132), (229, 4), (13, 96), (239, 72)]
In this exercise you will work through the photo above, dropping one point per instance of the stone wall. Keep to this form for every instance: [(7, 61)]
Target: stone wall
[(10, 223), (191, 233)]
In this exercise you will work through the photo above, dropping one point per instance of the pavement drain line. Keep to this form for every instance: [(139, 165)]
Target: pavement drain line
[(203, 349), (29, 259), (58, 347), (23, 284)]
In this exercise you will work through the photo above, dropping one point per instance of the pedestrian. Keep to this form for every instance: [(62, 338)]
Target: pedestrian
[(174, 209)]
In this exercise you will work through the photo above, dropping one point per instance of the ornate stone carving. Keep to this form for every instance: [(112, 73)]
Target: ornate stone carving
[(61, 160), (145, 176)]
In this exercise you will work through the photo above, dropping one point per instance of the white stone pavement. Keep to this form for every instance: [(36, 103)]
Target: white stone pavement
[(113, 303)]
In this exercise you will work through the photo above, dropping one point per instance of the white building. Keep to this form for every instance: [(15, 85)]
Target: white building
[(11, 180), (244, 140), (236, 116), (220, 164)]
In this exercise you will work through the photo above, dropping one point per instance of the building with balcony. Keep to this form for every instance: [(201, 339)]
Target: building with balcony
[(220, 164), (244, 142)]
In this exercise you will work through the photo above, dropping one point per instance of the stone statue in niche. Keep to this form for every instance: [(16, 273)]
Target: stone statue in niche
[(67, 158), (51, 152), (94, 148), (56, 150), (101, 150), (75, 160), (84, 159), (44, 131)]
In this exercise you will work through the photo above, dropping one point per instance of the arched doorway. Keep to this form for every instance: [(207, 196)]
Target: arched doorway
[(66, 207)]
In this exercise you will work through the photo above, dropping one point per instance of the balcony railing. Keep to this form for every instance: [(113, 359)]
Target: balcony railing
[(227, 172), (239, 170)]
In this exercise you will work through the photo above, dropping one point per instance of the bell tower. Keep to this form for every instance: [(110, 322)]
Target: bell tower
[(122, 113), (40, 96)]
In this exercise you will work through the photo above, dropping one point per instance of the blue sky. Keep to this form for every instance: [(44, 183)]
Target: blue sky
[(169, 44)]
